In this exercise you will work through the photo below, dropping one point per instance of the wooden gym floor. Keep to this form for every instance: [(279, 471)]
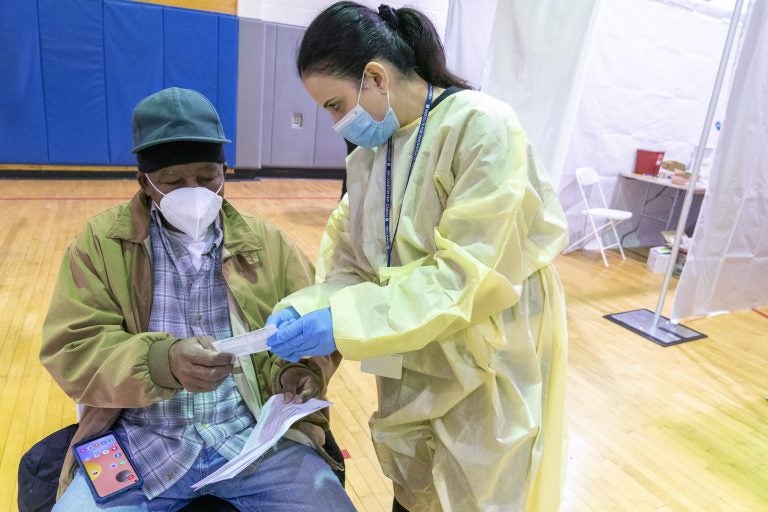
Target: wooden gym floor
[(680, 428)]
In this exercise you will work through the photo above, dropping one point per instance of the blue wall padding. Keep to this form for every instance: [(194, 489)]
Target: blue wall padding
[(72, 49), (22, 109), (133, 40), (71, 73), (191, 43), (227, 80)]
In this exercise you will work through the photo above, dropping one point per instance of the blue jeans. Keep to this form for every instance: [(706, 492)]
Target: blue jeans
[(291, 477)]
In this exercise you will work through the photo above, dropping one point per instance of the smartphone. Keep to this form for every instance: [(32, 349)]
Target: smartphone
[(107, 466)]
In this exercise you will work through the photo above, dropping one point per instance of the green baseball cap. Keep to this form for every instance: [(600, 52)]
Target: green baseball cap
[(172, 115)]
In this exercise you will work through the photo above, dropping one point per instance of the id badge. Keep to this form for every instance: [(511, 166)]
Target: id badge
[(390, 366)]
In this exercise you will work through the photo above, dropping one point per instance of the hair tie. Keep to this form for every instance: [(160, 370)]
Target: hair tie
[(389, 15)]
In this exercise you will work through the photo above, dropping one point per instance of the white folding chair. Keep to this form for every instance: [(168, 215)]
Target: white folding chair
[(588, 180)]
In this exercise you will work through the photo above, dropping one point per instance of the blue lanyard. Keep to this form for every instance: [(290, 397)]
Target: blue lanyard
[(388, 176)]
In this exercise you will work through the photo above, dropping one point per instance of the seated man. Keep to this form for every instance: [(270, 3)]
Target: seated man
[(142, 292)]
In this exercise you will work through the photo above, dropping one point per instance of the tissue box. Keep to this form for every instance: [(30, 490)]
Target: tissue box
[(658, 259)]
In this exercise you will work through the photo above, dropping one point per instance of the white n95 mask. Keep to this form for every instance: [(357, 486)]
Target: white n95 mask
[(358, 127), (190, 209)]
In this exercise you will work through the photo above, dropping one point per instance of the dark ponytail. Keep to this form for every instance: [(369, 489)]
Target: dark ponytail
[(347, 36)]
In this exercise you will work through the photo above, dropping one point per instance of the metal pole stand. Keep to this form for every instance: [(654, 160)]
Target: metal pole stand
[(650, 325), (641, 321)]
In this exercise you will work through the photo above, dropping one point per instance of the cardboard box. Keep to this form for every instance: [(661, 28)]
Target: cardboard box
[(658, 259), (673, 168), (677, 166), (682, 255)]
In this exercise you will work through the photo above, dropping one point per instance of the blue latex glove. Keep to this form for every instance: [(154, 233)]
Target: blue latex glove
[(278, 318), (309, 335)]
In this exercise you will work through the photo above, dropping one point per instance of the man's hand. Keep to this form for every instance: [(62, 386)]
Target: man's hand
[(198, 369), (299, 384)]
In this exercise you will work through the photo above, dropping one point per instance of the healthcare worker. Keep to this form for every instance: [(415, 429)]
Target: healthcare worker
[(436, 270)]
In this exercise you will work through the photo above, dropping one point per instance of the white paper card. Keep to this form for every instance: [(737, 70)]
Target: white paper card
[(384, 366), (245, 344), (275, 419)]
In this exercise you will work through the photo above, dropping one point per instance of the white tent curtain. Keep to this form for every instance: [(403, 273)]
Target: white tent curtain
[(536, 64), (727, 265), (648, 82), (468, 37)]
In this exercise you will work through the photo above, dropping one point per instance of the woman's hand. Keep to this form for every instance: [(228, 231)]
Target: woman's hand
[(309, 335)]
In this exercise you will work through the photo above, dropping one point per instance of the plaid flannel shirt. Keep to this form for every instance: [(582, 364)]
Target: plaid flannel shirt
[(166, 438)]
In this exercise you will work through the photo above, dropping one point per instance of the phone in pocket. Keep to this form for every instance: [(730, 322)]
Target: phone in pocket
[(107, 466)]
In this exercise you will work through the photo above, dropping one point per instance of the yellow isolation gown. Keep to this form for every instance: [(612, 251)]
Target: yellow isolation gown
[(471, 301)]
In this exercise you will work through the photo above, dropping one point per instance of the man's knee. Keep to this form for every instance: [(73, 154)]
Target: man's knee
[(78, 497)]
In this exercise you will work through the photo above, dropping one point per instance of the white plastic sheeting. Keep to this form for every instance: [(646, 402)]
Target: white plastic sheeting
[(727, 265), (468, 37), (535, 64), (302, 12), (648, 83)]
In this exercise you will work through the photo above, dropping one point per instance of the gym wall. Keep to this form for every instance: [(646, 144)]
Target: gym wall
[(71, 73)]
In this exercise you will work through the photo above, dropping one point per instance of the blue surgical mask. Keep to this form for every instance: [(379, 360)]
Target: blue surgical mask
[(359, 128)]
